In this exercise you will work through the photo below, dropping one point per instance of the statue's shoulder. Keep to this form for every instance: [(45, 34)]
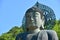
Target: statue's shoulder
[(21, 36)]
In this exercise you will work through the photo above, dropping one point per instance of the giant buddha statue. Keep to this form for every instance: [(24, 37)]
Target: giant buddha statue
[(36, 22)]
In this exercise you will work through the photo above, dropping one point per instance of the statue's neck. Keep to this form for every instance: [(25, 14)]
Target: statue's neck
[(35, 31)]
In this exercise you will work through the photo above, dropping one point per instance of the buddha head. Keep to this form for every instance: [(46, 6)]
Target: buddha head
[(34, 19), (39, 16)]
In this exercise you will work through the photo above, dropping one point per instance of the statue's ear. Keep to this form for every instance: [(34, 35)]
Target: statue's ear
[(43, 17)]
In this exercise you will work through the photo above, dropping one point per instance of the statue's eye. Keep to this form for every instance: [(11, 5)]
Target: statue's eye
[(36, 15)]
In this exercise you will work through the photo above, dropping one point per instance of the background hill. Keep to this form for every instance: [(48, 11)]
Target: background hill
[(11, 34)]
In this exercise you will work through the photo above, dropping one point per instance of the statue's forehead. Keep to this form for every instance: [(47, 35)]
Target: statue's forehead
[(37, 13), (33, 14)]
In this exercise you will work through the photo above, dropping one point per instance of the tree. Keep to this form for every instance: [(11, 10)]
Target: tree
[(12, 33)]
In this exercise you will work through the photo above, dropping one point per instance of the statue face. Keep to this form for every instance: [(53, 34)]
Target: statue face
[(30, 19), (34, 20), (38, 19)]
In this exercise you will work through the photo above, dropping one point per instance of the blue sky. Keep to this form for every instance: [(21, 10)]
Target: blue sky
[(12, 11)]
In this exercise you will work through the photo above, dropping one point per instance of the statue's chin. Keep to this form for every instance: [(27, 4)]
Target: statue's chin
[(31, 28)]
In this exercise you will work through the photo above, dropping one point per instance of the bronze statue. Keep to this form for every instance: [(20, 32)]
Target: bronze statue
[(34, 23)]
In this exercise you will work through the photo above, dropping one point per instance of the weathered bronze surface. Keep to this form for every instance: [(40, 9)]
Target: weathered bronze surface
[(36, 20)]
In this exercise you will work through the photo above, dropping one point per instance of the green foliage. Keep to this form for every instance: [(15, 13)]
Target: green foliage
[(57, 28), (11, 34)]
